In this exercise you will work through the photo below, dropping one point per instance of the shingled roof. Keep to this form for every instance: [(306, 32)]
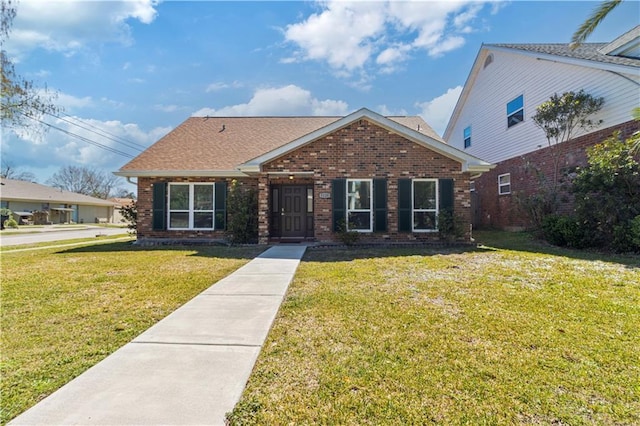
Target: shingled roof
[(606, 53), (586, 51), (223, 143), (29, 191)]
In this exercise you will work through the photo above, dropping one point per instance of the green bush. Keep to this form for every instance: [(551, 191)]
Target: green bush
[(563, 231), (345, 236), (450, 226), (11, 223), (130, 214), (607, 193), (242, 202), (635, 232)]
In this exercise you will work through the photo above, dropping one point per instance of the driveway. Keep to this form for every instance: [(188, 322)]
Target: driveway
[(46, 234)]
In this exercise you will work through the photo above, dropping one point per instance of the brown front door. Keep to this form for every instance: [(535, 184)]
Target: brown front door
[(292, 211)]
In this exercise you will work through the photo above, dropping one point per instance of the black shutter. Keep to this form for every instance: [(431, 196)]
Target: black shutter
[(404, 205), (159, 202), (220, 217), (379, 205), (445, 193), (339, 202)]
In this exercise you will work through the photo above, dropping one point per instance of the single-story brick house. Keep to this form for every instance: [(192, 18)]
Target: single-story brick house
[(385, 177)]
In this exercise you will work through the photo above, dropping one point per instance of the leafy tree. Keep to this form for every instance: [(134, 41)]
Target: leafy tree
[(21, 98), (242, 202), (10, 172), (559, 117), (85, 180), (592, 22)]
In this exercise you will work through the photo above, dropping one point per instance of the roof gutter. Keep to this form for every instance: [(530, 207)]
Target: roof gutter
[(180, 173)]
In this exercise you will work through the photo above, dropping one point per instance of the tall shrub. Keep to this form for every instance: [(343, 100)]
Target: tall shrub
[(242, 205), (607, 193), (130, 214)]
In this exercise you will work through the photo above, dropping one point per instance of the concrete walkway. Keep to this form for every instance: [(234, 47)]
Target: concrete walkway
[(189, 368)]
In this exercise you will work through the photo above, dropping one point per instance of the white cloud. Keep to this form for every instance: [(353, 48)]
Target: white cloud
[(41, 73), (167, 108), (438, 110), (350, 35), (69, 25), (214, 87), (70, 102), (388, 112), (450, 43), (287, 100), (56, 148), (343, 34)]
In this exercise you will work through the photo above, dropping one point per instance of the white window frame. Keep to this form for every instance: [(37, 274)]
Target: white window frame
[(414, 210), (516, 111), (370, 209), (191, 210), (464, 138), (502, 185)]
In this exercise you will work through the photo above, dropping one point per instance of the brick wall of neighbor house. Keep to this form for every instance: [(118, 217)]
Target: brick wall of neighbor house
[(145, 209), (528, 172), (364, 150)]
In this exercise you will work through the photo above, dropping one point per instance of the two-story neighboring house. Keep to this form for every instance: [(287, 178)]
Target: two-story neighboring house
[(493, 117)]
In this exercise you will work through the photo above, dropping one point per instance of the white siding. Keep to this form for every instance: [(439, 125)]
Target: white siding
[(511, 75)]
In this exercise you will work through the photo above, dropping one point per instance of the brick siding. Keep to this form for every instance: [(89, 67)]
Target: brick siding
[(145, 209), (364, 150), (360, 150), (528, 173)]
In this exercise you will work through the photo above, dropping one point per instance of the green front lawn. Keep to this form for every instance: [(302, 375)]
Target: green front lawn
[(513, 332), (65, 309)]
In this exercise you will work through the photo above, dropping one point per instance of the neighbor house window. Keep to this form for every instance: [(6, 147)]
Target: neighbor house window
[(504, 184), (425, 205), (515, 111), (467, 137), (191, 205), (359, 211)]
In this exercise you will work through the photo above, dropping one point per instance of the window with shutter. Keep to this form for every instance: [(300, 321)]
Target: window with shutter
[(159, 218)]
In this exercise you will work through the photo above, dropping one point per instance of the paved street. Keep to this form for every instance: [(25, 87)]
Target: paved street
[(41, 235)]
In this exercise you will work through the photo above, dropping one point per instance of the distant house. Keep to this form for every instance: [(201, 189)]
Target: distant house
[(384, 177), (34, 203), (492, 119), (119, 204)]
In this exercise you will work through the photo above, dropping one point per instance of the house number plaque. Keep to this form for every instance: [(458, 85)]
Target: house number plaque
[(325, 195)]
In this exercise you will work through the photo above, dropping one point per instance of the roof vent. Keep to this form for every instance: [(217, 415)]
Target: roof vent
[(488, 61), (223, 128)]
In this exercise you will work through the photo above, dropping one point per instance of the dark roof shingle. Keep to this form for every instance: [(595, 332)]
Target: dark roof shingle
[(586, 51), (224, 143)]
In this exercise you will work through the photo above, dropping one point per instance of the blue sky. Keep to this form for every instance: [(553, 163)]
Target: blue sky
[(137, 69)]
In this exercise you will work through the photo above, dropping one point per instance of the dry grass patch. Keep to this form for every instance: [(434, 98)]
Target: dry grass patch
[(516, 335), (64, 310)]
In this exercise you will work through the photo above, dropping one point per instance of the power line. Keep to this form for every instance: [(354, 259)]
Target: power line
[(102, 132), (82, 138)]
